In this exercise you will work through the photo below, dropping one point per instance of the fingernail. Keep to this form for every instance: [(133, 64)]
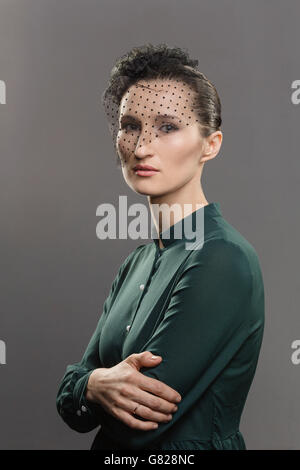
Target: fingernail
[(154, 357), (178, 399)]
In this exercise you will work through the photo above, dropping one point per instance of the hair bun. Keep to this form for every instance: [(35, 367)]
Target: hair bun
[(144, 59)]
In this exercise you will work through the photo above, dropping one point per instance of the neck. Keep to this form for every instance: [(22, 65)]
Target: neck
[(161, 206)]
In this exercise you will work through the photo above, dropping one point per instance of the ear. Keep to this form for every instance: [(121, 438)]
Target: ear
[(212, 146)]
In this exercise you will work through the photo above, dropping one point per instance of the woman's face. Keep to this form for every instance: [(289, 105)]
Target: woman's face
[(173, 146)]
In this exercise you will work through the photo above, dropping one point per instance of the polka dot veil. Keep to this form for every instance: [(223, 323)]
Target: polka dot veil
[(148, 112)]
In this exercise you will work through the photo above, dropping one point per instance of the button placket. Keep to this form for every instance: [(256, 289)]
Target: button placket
[(142, 287)]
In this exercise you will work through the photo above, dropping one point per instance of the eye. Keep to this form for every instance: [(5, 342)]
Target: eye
[(125, 125), (169, 125)]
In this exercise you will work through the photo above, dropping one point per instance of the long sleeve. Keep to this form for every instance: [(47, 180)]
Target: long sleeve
[(209, 317), (79, 413)]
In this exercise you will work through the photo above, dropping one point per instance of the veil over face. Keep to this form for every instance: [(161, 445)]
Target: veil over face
[(150, 110)]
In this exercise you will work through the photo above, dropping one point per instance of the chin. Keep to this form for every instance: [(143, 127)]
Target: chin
[(143, 192), (147, 192)]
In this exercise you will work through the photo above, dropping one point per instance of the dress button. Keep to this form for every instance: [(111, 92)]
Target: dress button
[(128, 327), (78, 412), (142, 286), (83, 408)]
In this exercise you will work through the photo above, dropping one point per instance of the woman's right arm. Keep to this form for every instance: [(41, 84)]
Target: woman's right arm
[(77, 412)]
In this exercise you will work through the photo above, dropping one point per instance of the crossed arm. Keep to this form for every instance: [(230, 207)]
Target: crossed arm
[(204, 326)]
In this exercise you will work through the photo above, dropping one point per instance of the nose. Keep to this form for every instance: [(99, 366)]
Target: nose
[(144, 144)]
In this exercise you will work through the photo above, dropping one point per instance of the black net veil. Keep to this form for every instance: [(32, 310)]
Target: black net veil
[(148, 100)]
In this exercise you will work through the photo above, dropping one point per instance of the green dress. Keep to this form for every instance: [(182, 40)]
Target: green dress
[(202, 311)]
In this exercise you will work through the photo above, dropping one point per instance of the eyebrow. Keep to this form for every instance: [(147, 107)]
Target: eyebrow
[(134, 118)]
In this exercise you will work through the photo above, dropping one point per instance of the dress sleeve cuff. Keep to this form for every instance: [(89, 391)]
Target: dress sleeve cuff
[(82, 405)]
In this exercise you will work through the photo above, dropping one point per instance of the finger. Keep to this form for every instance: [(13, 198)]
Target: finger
[(134, 423), (158, 388), (158, 406), (144, 411)]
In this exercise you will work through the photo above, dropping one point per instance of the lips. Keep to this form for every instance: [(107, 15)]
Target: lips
[(144, 168)]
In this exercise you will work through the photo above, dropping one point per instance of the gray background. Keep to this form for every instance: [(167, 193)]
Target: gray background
[(58, 165)]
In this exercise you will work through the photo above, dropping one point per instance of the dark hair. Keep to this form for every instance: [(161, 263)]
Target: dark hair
[(161, 61)]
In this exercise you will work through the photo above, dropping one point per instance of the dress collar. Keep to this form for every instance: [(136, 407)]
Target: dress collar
[(178, 231)]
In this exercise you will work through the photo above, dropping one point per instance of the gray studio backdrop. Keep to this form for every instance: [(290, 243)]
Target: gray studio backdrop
[(58, 166)]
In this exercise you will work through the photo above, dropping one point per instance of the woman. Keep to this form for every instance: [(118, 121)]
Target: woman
[(198, 306)]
